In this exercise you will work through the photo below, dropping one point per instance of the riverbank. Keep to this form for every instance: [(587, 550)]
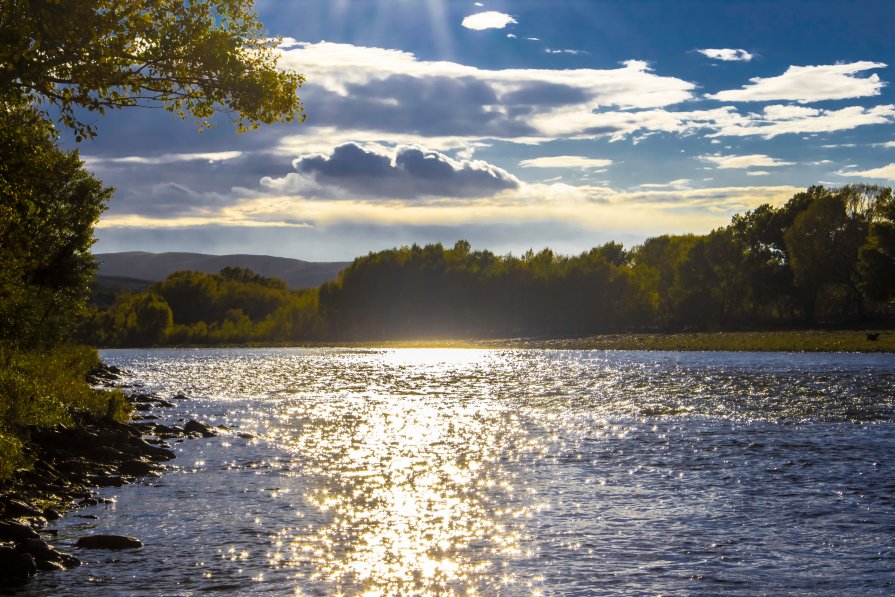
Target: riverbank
[(61, 466), (865, 340)]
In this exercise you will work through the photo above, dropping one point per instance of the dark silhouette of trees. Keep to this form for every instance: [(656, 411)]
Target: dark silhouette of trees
[(827, 254)]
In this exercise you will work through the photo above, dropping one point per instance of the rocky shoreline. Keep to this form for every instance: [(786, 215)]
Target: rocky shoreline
[(68, 464)]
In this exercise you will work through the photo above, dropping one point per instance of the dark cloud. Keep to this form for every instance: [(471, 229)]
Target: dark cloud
[(186, 187), (545, 94), (430, 106), (412, 172)]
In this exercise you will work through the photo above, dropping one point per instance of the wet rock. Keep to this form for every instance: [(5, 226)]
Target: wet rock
[(136, 468), (108, 542), (16, 531), (15, 567), (45, 556), (194, 426), (245, 435), (164, 403), (52, 513), (179, 396)]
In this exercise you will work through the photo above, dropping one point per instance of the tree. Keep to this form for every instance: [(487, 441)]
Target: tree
[(823, 244), (48, 205), (193, 58), (876, 261), (142, 319)]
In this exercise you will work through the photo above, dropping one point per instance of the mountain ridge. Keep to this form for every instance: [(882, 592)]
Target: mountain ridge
[(157, 266)]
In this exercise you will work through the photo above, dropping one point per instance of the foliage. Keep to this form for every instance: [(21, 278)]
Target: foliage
[(193, 58), (48, 205), (876, 259), (41, 388), (235, 306), (827, 254)]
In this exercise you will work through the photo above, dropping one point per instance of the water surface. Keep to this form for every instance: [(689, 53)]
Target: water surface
[(415, 471)]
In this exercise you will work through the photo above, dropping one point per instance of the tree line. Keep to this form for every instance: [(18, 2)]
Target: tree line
[(826, 255)]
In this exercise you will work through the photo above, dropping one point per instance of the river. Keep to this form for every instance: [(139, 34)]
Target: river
[(513, 472)]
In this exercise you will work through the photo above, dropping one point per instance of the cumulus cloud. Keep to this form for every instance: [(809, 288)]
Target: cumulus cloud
[(489, 19), (727, 55), (405, 172), (726, 162), (805, 84), (884, 172), (566, 161)]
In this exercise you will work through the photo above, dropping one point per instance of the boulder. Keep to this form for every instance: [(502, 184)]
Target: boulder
[(136, 468), (45, 556), (194, 426), (15, 508), (16, 531), (108, 542), (15, 567)]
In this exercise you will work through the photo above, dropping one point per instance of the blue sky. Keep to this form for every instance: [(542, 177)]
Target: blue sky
[(515, 125)]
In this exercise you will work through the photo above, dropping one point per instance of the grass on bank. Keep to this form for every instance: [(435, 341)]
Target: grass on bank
[(43, 389), (768, 341)]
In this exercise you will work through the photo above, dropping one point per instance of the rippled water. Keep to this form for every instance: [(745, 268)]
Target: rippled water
[(508, 472)]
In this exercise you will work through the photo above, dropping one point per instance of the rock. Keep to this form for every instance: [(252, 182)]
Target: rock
[(194, 426), (179, 396), (136, 468), (245, 435), (45, 556), (108, 542), (52, 514), (15, 567), (164, 403), (16, 531), (15, 508)]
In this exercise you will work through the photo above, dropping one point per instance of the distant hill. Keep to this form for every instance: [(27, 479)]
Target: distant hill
[(137, 266)]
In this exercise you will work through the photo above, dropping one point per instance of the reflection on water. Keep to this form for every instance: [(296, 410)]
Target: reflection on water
[(391, 472)]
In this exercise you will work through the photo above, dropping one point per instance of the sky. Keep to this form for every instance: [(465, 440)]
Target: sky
[(514, 125)]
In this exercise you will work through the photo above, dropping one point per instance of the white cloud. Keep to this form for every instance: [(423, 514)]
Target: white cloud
[(167, 158), (566, 161), (769, 124), (375, 94), (511, 35), (335, 67), (488, 20), (727, 55), (570, 52), (884, 172), (887, 144), (757, 173), (805, 84), (678, 184), (726, 162)]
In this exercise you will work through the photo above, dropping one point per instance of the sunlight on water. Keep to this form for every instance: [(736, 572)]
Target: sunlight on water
[(413, 499), (430, 471)]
